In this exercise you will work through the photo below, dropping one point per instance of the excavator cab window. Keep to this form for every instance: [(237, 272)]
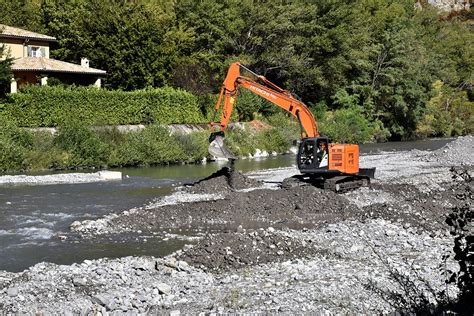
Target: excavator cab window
[(313, 153), (307, 153), (322, 152)]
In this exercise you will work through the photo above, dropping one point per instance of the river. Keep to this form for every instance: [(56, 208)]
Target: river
[(30, 216)]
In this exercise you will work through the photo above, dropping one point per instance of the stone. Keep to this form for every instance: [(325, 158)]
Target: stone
[(79, 281), (100, 271), (13, 291), (101, 299), (183, 266), (110, 175), (171, 263), (163, 288), (175, 313), (356, 248)]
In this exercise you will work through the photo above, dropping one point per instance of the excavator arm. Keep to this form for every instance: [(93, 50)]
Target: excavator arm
[(267, 90)]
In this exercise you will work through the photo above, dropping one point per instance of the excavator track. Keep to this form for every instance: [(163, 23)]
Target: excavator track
[(343, 184), (338, 184)]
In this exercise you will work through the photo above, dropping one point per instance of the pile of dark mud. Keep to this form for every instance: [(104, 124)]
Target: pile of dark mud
[(225, 179), (294, 208), (226, 251)]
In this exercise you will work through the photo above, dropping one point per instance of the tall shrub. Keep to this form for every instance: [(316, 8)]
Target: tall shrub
[(14, 146), (50, 106), (82, 146)]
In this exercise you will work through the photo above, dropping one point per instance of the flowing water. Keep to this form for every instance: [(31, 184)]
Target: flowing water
[(30, 216)]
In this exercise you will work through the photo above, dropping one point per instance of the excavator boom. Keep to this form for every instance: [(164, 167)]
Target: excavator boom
[(259, 85), (267, 90)]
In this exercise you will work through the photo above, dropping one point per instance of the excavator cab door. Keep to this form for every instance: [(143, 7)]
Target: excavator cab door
[(313, 154)]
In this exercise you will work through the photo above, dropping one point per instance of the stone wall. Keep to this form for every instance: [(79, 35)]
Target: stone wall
[(451, 5)]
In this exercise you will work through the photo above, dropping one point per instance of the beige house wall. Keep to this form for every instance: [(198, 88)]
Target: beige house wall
[(19, 48), (14, 50)]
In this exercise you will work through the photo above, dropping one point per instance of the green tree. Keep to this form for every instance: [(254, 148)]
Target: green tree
[(5, 71), (136, 42), (21, 13)]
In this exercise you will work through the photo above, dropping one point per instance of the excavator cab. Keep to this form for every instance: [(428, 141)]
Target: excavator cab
[(313, 154)]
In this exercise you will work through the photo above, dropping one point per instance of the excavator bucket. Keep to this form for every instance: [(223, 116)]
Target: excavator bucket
[(217, 148)]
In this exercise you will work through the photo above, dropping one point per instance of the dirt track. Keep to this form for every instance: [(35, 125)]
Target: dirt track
[(271, 249)]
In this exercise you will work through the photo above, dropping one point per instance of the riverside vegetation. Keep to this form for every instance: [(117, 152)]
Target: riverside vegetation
[(77, 145)]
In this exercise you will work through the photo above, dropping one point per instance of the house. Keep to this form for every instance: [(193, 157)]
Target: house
[(32, 64)]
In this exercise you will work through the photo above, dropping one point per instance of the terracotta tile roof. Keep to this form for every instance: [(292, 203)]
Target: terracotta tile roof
[(52, 65), (14, 32)]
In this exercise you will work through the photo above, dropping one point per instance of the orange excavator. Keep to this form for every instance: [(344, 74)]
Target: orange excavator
[(331, 166)]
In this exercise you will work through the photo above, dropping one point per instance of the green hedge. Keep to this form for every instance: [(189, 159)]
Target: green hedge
[(51, 106)]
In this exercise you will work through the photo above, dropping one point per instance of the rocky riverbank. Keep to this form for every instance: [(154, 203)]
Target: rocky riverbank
[(257, 247)]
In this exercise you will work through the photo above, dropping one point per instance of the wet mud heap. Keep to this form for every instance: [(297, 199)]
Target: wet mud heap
[(225, 179), (295, 208), (226, 251)]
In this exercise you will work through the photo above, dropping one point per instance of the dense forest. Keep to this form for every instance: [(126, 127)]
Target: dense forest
[(405, 70)]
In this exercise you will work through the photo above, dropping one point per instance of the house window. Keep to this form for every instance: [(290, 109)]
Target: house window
[(35, 51)]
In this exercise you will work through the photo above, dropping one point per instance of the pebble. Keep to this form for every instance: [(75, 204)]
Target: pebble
[(101, 299), (79, 281), (163, 288), (12, 292), (183, 266)]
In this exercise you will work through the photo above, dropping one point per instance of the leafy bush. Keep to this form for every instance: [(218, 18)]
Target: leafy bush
[(45, 154), (273, 139), (349, 125), (150, 146), (281, 136), (248, 104), (319, 110), (448, 113), (82, 146), (15, 144), (195, 145), (240, 142), (50, 106)]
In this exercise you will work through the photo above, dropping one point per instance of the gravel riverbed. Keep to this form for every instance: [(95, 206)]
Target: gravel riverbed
[(256, 247)]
